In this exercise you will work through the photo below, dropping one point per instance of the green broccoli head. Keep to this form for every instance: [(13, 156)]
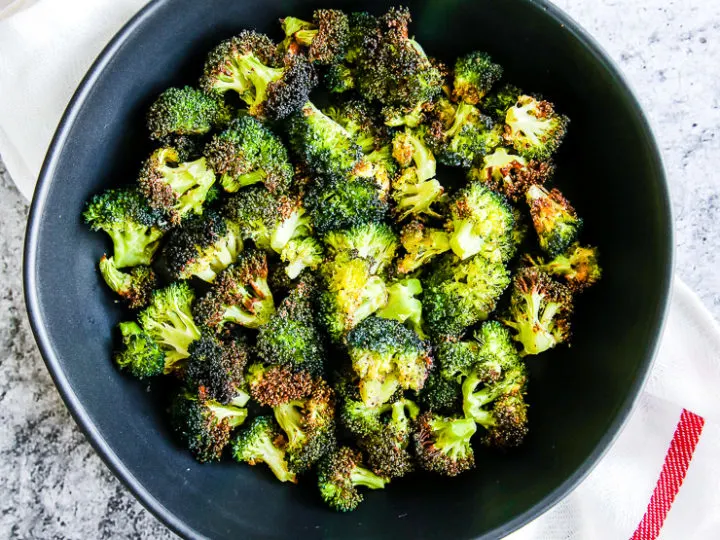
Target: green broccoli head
[(340, 473), (387, 356), (263, 442), (460, 293), (292, 337), (326, 37), (510, 423), (339, 78), (348, 204), (169, 322), (403, 306), (482, 222), (474, 75), (421, 244), (174, 187), (186, 111), (578, 266), (375, 242), (442, 444), (413, 197), (409, 149), (441, 395), (361, 121), (133, 225), (540, 310), (534, 129), (240, 295), (203, 247), (360, 420), (510, 174), (204, 425), (140, 356), (555, 220), (134, 287), (246, 153), (300, 254), (497, 103)]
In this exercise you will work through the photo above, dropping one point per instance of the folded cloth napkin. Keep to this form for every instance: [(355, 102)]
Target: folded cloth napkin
[(672, 437)]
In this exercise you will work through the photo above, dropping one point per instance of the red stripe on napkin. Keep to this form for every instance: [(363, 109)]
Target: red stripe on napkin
[(677, 460)]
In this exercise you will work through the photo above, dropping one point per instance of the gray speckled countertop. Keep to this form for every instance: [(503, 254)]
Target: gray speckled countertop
[(52, 483)]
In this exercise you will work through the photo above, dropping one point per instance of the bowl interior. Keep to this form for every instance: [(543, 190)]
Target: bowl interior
[(608, 167)]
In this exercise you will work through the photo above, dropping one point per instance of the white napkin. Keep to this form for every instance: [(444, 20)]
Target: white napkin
[(47, 46)]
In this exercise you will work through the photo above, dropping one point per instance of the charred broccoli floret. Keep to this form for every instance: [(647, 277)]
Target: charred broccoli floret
[(169, 322), (141, 356), (482, 222), (421, 244), (540, 310), (348, 204), (134, 287), (497, 103), (442, 444), (263, 442), (361, 122), (474, 75), (555, 220), (578, 266), (218, 365), (403, 306), (387, 356), (510, 174), (203, 247), (204, 425), (175, 187), (410, 149), (460, 293), (340, 474), (326, 36), (534, 129), (273, 87), (186, 111), (134, 227), (339, 78), (374, 242), (247, 152), (441, 395), (413, 197), (240, 295)]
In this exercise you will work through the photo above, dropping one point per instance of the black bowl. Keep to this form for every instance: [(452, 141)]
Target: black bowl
[(609, 168)]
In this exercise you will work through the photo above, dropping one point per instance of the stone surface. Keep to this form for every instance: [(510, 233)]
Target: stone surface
[(53, 484)]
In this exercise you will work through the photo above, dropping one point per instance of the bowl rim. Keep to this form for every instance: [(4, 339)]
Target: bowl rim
[(78, 410)]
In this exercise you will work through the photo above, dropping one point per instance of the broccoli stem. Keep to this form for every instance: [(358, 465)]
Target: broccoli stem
[(361, 476), (290, 420)]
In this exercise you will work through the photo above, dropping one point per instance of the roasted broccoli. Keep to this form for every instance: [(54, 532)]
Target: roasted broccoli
[(186, 111), (413, 197), (387, 356), (410, 149), (240, 295), (339, 78), (375, 242), (218, 365), (441, 395), (361, 122), (534, 129), (403, 306), (348, 204), (555, 220), (540, 310), (442, 444), (134, 287), (301, 253), (474, 75), (326, 37), (141, 356), (133, 225), (340, 473), (497, 103), (510, 174), (578, 266), (247, 152), (421, 244), (263, 442)]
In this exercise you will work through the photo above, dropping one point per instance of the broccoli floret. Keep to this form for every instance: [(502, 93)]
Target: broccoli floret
[(413, 197), (339, 78), (534, 129), (506, 419), (422, 244), (292, 337), (174, 187), (510, 174), (134, 287), (348, 204), (460, 293), (555, 220), (352, 293), (497, 103), (140, 356), (326, 37), (409, 148), (218, 365), (387, 356), (403, 306), (134, 227), (169, 322), (204, 425), (358, 419), (540, 310), (340, 474), (482, 222), (301, 253), (323, 144), (442, 444), (474, 75), (186, 111), (361, 122), (578, 266), (246, 153), (273, 87), (240, 295), (375, 242), (303, 407), (441, 395), (263, 442), (401, 116), (203, 247)]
